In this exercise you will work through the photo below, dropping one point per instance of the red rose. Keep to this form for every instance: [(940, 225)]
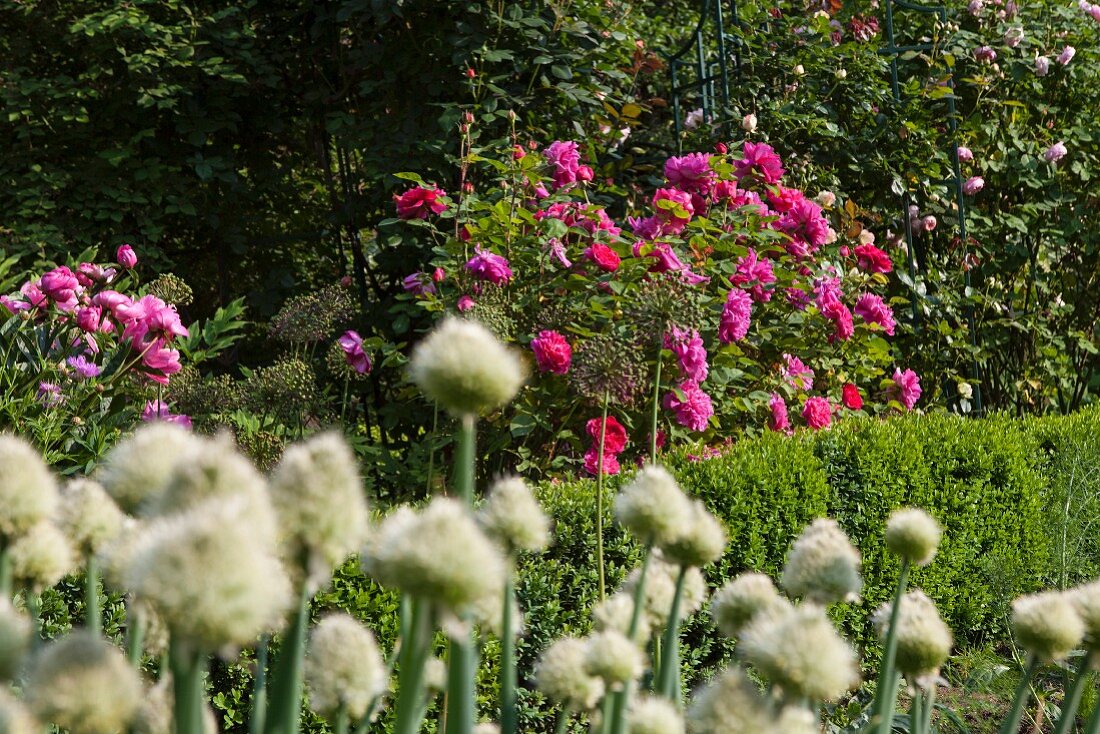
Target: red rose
[(419, 202), (873, 260), (850, 397), (614, 440)]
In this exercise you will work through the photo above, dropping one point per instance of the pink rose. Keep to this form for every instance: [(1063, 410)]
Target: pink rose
[(690, 352), (419, 203), (818, 413), (1042, 65), (465, 303), (873, 260), (985, 55), (873, 310), (352, 345), (779, 421), (756, 274), (564, 160), (126, 257), (552, 352), (1056, 152), (614, 439), (973, 185), (906, 388), (797, 374), (965, 154), (610, 463), (841, 317), (736, 315), (605, 258), (418, 284), (1067, 55), (485, 265), (691, 172), (691, 406), (673, 208), (760, 162)]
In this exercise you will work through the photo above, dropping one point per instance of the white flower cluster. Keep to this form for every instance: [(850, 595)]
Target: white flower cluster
[(924, 640), (513, 518), (823, 565), (1047, 624), (343, 667)]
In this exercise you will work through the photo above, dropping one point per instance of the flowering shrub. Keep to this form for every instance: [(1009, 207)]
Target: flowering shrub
[(724, 301)]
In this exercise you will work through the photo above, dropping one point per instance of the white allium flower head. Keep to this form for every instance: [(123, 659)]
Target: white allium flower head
[(513, 518), (83, 683), (214, 579), (615, 613), (138, 466), (913, 535), (322, 512), (14, 716), (924, 640), (89, 516), (654, 715), (15, 637), (487, 727), (702, 543), (823, 565), (800, 651), (735, 604), (438, 553), (466, 369), (435, 674), (562, 675), (729, 704), (613, 657), (343, 667), (28, 490), (488, 613), (42, 557), (660, 590), (795, 720), (653, 507), (155, 714), (1086, 599), (1047, 624)]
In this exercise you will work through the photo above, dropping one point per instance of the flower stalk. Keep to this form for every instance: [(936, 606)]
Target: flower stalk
[(188, 687), (259, 689), (1011, 724), (412, 656), (284, 714), (508, 709), (668, 676), (599, 496), (886, 692), (1073, 696), (93, 607)]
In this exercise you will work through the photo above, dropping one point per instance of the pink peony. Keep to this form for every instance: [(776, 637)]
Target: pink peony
[(973, 185), (797, 374), (564, 159), (694, 409), (736, 315), (873, 310), (906, 388), (605, 258), (691, 172), (158, 410), (760, 162), (818, 413), (89, 318), (690, 352), (89, 274), (354, 354), (850, 397), (756, 274), (873, 260), (779, 420), (552, 352), (149, 318), (162, 361), (673, 208), (841, 317), (419, 203), (1056, 152), (126, 257), (615, 438), (610, 463), (485, 265), (61, 286)]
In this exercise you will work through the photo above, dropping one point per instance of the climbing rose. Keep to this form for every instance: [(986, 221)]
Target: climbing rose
[(804, 221), (605, 258), (677, 212), (615, 438), (779, 420), (817, 413), (552, 352), (690, 172), (965, 154), (1042, 65), (488, 266), (754, 273), (841, 317), (760, 162), (352, 344), (985, 54), (851, 397), (872, 259), (736, 314), (797, 374), (694, 409), (419, 202), (126, 257), (973, 185), (610, 462), (906, 388), (564, 160), (689, 350), (872, 309), (1067, 55), (1056, 152)]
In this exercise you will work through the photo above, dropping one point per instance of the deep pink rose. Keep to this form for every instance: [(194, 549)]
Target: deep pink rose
[(804, 221), (420, 203), (691, 172), (61, 286), (906, 388), (838, 313), (873, 260), (756, 275), (674, 208), (126, 257), (872, 309), (552, 352), (797, 374), (354, 354), (779, 420), (736, 315), (691, 406), (465, 303), (690, 352), (817, 412), (760, 162), (615, 437), (605, 258), (565, 161), (610, 462), (486, 265)]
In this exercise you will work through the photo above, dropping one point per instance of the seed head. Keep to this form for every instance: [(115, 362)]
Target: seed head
[(616, 612), (924, 640), (513, 518), (563, 677), (612, 657), (660, 590), (702, 543), (42, 557), (28, 491), (1086, 599), (823, 565), (729, 703), (1047, 624), (654, 715)]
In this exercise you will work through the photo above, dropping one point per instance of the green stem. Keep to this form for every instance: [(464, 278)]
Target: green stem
[(34, 609), (599, 497), (135, 634), (5, 571), (342, 719), (187, 687), (259, 689), (563, 720), (431, 449), (668, 677), (461, 694), (93, 610), (344, 399), (929, 707), (656, 406), (1073, 697), (508, 712), (1093, 725), (285, 712), (467, 443), (411, 659), (916, 713), (1011, 725), (886, 699), (621, 699)]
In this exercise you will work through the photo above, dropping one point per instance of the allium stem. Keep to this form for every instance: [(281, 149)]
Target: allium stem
[(411, 659), (461, 696), (1073, 696), (929, 707), (1011, 724), (563, 720), (599, 497), (344, 399), (284, 714), (5, 570), (656, 407), (431, 448), (342, 719), (621, 699), (33, 610), (916, 713), (187, 687), (93, 610), (885, 699), (668, 677), (464, 468), (259, 689), (508, 713), (135, 635), (1093, 725)]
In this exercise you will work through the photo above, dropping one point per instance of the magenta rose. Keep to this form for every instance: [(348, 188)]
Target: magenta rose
[(552, 352), (419, 203), (486, 265), (818, 413), (605, 258), (690, 405)]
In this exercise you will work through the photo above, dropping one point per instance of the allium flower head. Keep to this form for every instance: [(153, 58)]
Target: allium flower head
[(513, 518), (800, 651), (155, 714), (660, 589), (823, 565), (607, 365), (211, 574), (486, 727), (741, 599), (438, 553), (15, 637), (461, 365), (703, 542), (729, 704), (28, 491), (612, 657), (562, 676), (139, 465), (653, 507), (1047, 624), (1086, 599), (83, 683), (41, 557), (89, 516), (319, 502), (343, 667), (924, 640), (654, 715), (616, 612), (913, 534), (14, 716)]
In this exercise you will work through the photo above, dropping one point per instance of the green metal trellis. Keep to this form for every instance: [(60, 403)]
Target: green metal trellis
[(711, 66)]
